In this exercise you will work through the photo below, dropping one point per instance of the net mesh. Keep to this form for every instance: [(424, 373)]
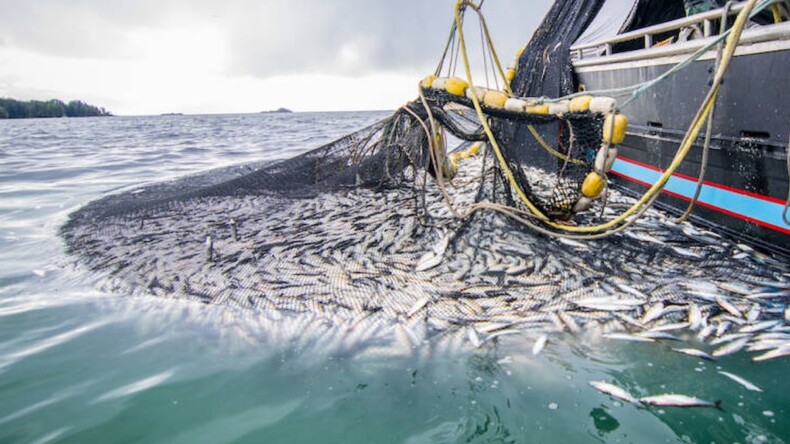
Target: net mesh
[(380, 222)]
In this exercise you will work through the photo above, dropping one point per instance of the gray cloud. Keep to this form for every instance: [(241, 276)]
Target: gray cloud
[(266, 37), (385, 36)]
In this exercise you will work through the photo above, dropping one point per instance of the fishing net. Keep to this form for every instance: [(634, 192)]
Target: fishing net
[(401, 193), (421, 217)]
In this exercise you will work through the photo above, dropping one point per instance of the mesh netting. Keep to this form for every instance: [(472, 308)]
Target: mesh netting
[(387, 222)]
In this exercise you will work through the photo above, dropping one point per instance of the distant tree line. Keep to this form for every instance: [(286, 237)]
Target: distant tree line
[(15, 109)]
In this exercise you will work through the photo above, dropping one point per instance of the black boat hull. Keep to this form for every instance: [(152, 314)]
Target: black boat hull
[(746, 178)]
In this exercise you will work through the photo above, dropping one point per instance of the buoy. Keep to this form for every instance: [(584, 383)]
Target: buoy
[(541, 109), (510, 74), (515, 105), (478, 91), (427, 81), (617, 135), (602, 105), (579, 104), (593, 185), (519, 52), (583, 204), (456, 86), (474, 149), (439, 83), (449, 168), (559, 108), (605, 158), (495, 99)]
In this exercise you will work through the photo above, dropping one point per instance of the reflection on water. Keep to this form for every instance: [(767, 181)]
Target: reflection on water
[(78, 364)]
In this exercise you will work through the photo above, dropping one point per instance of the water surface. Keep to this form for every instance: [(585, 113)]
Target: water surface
[(81, 364)]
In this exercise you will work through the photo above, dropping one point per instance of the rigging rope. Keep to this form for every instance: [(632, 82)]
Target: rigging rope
[(708, 128), (732, 36)]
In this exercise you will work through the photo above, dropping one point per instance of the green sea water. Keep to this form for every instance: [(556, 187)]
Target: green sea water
[(80, 364)]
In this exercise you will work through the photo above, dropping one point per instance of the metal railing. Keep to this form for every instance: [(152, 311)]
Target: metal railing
[(705, 19)]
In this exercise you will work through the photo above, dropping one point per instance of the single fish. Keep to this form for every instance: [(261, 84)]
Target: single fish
[(632, 290), (736, 288), (653, 313), (539, 344), (732, 347), (422, 302), (657, 335), (628, 337), (674, 400), (743, 382), (428, 261), (727, 305), (671, 327), (705, 332), (686, 252), (694, 352), (753, 313), (573, 243), (760, 326), (613, 390), (695, 316), (474, 338), (779, 352)]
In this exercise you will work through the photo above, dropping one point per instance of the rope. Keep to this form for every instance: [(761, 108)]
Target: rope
[(637, 90), (733, 36), (787, 202), (549, 148), (708, 129)]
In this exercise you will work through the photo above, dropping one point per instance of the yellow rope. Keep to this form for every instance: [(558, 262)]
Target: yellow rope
[(776, 11), (481, 115), (680, 155), (550, 149)]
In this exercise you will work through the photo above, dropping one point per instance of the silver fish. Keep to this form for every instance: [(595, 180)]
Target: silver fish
[(422, 302), (760, 326), (695, 316), (474, 338), (675, 400), (539, 344), (743, 382), (613, 390), (732, 347), (705, 332), (775, 353), (654, 312), (428, 261), (694, 352), (725, 304), (628, 337)]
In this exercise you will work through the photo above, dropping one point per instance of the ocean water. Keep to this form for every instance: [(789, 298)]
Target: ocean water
[(79, 363)]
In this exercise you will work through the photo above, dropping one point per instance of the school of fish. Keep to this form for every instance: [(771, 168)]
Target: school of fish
[(361, 253)]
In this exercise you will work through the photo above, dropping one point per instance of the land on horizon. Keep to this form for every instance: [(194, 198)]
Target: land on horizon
[(17, 109)]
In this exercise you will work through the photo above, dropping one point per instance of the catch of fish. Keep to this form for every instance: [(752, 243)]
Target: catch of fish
[(361, 253)]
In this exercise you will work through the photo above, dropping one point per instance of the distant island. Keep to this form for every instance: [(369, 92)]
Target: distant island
[(16, 109), (278, 110)]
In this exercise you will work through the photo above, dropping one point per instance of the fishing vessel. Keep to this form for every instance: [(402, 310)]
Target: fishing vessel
[(743, 167)]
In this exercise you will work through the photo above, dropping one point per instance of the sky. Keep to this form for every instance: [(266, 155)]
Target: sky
[(136, 57)]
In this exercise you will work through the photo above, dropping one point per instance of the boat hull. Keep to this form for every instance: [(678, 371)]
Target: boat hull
[(746, 179)]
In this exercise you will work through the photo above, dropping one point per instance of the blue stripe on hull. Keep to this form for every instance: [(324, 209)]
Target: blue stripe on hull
[(748, 207)]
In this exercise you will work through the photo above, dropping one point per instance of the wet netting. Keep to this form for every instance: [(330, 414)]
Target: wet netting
[(439, 218)]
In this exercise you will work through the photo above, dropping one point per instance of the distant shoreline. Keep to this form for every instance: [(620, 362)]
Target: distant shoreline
[(36, 109), (278, 110)]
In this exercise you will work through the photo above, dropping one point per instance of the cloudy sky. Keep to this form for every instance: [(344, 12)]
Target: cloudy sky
[(211, 56)]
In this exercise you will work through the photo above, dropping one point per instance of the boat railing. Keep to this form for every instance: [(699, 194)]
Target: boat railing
[(704, 19)]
